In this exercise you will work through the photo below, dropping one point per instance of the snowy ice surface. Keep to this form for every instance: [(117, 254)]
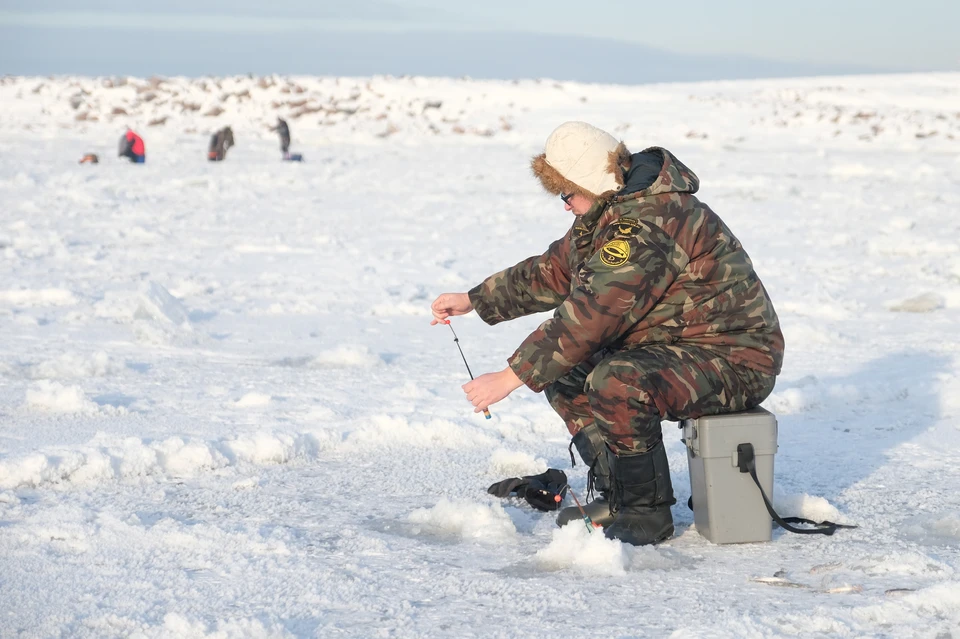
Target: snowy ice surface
[(223, 412)]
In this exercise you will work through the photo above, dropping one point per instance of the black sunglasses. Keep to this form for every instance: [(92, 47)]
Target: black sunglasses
[(566, 198)]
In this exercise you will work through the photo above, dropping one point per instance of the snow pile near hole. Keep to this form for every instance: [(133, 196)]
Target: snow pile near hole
[(487, 523), (575, 548), (808, 507)]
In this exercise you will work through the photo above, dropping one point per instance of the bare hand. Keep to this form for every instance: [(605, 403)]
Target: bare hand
[(490, 388), (450, 305)]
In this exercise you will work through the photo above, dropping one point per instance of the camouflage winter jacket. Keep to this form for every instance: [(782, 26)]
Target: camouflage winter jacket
[(654, 265)]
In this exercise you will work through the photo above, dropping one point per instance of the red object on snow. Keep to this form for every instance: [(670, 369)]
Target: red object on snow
[(138, 147)]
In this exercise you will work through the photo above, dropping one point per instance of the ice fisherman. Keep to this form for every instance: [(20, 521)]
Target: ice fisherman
[(283, 130), (658, 314), (219, 143), (132, 146)]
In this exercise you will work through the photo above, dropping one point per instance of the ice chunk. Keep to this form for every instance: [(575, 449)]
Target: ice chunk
[(158, 304)]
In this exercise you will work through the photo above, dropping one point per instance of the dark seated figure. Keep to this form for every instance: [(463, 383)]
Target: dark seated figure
[(219, 143)]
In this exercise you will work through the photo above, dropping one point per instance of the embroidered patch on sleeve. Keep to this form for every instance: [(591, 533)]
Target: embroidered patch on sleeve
[(625, 227), (615, 253)]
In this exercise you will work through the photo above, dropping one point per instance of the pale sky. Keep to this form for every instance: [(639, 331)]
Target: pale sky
[(916, 35)]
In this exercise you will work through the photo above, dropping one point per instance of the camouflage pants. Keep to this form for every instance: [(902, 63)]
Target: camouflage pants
[(628, 392)]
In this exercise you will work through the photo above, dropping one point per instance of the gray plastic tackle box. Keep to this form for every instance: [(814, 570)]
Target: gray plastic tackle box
[(727, 506)]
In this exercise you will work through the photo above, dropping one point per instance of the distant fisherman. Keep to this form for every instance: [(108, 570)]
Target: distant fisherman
[(659, 314), (219, 143), (132, 146), (284, 132)]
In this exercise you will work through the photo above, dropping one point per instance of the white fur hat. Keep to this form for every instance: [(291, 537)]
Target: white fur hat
[(580, 158)]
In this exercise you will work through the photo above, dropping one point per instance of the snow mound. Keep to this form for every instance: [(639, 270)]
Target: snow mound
[(53, 397), (188, 458), (253, 400), (588, 553), (345, 357), (262, 448), (512, 463), (923, 303), (465, 520), (27, 298), (75, 366), (807, 506), (111, 458)]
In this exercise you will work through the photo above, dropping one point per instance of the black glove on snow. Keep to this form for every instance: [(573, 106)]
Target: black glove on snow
[(540, 491)]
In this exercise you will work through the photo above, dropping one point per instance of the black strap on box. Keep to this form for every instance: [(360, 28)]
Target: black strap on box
[(747, 463)]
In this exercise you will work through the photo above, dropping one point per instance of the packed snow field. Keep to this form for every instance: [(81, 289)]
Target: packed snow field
[(223, 411)]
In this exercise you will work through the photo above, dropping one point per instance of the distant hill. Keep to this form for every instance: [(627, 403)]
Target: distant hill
[(909, 112), (490, 55)]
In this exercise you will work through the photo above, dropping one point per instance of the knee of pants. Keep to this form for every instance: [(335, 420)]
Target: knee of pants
[(613, 383), (603, 381)]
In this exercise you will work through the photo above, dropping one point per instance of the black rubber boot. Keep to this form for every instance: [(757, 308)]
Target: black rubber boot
[(641, 496), (593, 452)]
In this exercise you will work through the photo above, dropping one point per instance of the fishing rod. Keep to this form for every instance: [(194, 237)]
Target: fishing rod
[(486, 413)]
